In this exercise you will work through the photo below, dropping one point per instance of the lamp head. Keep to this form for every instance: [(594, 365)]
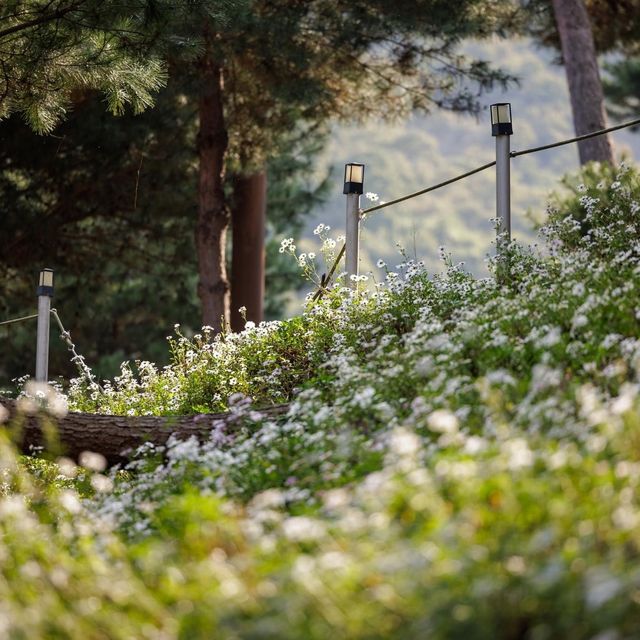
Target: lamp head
[(501, 123), (353, 178), (45, 283)]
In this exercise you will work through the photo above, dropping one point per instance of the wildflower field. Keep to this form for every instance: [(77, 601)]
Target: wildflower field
[(460, 459)]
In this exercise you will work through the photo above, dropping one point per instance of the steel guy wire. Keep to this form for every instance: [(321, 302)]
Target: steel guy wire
[(586, 136), (35, 315)]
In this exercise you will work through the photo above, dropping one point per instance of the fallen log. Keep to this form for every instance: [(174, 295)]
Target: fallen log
[(116, 437)]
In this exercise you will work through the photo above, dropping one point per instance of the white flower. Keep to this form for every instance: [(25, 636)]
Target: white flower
[(404, 442), (381, 264), (372, 196), (268, 499), (579, 320), (102, 484), (578, 289), (301, 529), (443, 421), (601, 586), (551, 338), (474, 444), (93, 461), (69, 501), (67, 467), (364, 397), (518, 454), (516, 565)]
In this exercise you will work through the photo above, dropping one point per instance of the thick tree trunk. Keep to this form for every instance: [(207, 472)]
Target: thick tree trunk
[(247, 267), (583, 77), (213, 215), (116, 437)]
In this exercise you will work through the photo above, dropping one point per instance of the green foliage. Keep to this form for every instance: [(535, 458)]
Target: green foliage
[(483, 328), (593, 207), (621, 86), (488, 539), (49, 50), (463, 461)]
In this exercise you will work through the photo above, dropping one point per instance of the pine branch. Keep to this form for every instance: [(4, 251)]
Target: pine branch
[(56, 15)]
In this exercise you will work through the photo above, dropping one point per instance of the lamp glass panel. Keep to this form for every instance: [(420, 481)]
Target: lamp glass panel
[(494, 114), (504, 113), (356, 173), (46, 278)]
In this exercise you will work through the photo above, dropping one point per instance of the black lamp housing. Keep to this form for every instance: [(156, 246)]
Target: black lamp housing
[(501, 123), (45, 283), (353, 178)]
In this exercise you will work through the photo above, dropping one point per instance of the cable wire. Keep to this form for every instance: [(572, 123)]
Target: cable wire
[(35, 315), (433, 188), (586, 136)]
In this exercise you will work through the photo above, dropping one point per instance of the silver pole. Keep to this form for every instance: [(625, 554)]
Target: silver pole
[(44, 293), (503, 191), (42, 343), (352, 238)]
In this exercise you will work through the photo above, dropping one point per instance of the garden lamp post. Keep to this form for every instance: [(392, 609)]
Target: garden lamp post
[(353, 186), (502, 129), (44, 293)]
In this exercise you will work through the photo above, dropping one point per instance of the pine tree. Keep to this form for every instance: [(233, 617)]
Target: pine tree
[(281, 63), (110, 204), (614, 26), (50, 49), (583, 77)]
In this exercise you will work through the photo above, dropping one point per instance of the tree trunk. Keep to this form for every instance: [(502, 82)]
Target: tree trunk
[(583, 77), (247, 267), (213, 215), (116, 437)]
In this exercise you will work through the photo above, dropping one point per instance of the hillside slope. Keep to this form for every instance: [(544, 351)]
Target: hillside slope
[(461, 459)]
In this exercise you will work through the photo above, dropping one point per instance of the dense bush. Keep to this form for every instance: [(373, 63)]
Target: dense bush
[(461, 458), (507, 537)]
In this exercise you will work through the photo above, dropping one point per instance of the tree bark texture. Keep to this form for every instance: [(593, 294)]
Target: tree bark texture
[(583, 77), (213, 215), (248, 220), (116, 437)]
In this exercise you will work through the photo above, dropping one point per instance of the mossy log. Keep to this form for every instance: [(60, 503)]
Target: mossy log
[(115, 437)]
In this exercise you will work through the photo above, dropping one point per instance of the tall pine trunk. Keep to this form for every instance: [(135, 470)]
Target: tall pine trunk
[(583, 77), (248, 261), (213, 215)]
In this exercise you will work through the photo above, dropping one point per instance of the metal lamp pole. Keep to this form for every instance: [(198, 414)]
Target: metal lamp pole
[(502, 129), (353, 187), (44, 293)]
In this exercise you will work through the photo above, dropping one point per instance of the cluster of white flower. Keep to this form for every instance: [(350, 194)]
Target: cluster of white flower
[(448, 355), (287, 245)]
